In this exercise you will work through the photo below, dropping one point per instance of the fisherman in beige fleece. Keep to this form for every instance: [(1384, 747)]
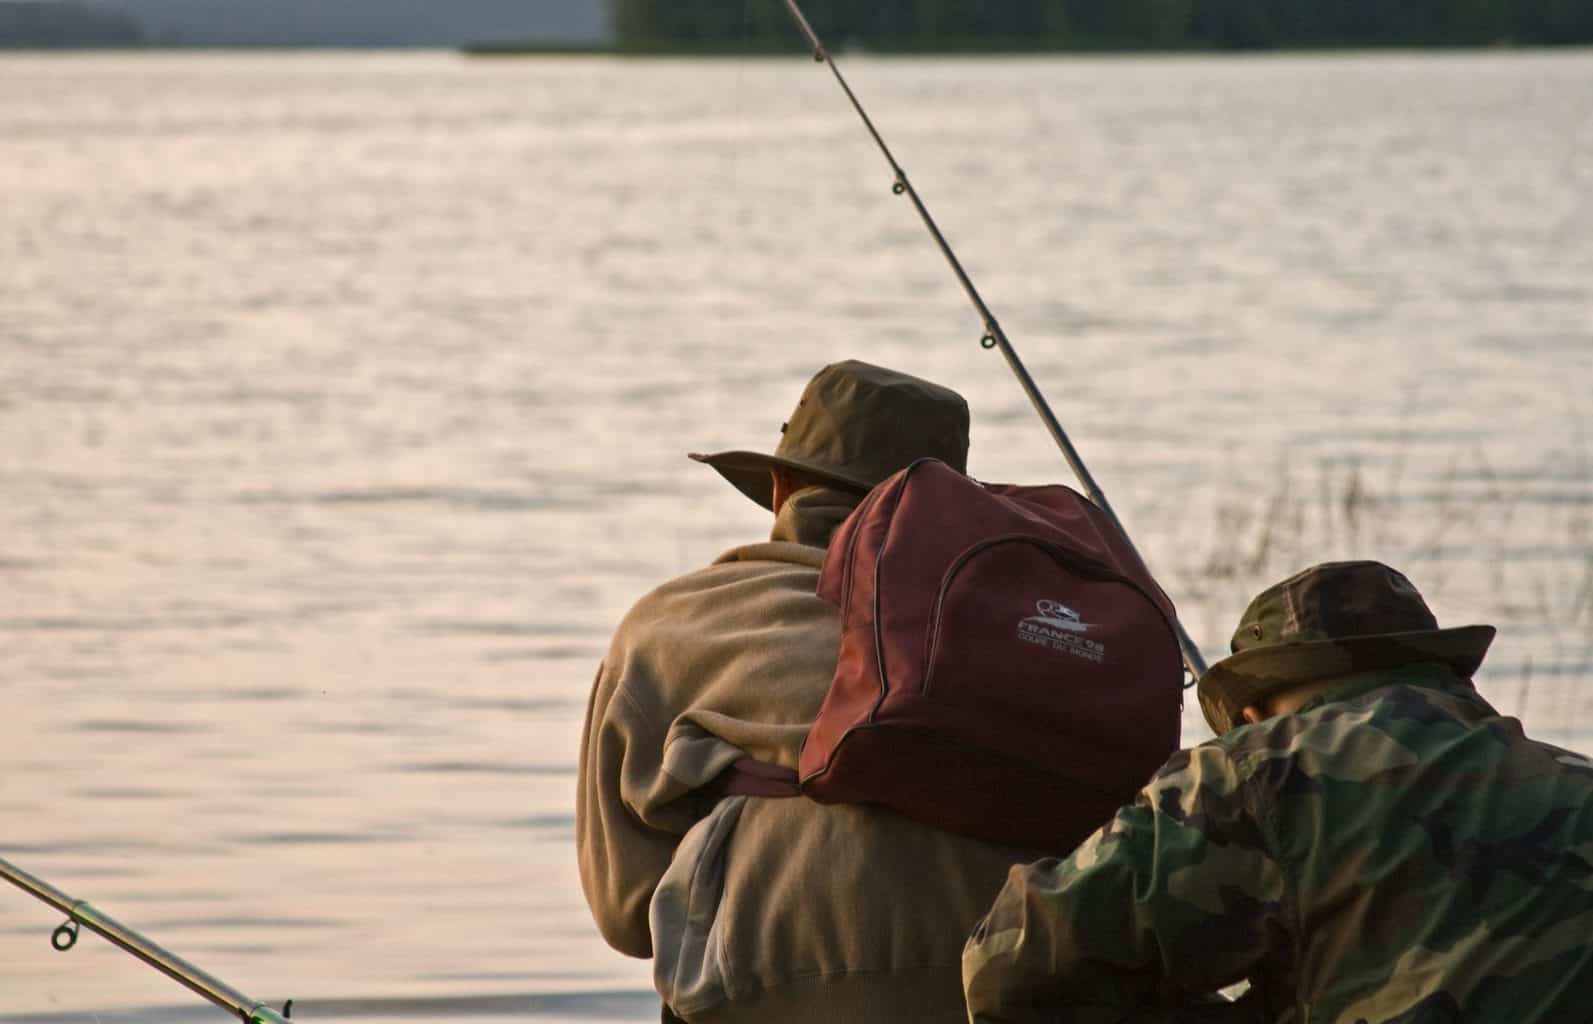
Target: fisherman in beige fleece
[(773, 910)]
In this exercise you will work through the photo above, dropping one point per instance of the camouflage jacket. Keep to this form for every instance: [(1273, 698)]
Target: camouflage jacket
[(1395, 851)]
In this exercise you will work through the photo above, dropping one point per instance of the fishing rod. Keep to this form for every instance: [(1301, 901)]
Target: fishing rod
[(994, 336), (175, 967)]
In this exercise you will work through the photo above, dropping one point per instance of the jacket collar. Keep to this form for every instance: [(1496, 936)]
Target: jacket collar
[(810, 516), (1426, 675)]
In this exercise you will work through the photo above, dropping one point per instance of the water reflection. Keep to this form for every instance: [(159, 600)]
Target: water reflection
[(344, 402)]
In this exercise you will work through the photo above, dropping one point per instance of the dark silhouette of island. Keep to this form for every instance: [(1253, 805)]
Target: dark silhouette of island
[(39, 25), (358, 23), (643, 26)]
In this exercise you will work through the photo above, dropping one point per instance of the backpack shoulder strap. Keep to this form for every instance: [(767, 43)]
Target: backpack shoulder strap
[(751, 777)]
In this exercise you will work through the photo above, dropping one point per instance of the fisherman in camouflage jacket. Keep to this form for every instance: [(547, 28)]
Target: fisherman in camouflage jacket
[(1367, 841)]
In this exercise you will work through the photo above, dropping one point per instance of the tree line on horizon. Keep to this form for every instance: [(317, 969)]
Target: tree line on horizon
[(765, 25)]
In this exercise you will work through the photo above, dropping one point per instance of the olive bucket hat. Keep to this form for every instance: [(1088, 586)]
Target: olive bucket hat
[(1331, 620), (855, 425)]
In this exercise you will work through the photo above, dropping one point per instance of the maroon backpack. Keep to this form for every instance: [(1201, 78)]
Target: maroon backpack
[(1008, 669)]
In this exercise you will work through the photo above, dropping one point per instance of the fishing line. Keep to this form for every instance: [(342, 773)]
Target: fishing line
[(994, 336)]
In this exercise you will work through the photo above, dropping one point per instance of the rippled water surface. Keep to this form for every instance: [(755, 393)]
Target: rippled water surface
[(343, 402)]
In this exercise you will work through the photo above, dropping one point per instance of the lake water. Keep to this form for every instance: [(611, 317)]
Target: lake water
[(343, 404)]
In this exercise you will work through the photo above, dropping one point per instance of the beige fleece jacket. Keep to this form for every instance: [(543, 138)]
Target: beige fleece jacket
[(772, 910)]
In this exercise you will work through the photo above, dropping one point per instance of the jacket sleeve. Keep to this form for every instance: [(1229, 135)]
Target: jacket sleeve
[(623, 849), (1178, 896)]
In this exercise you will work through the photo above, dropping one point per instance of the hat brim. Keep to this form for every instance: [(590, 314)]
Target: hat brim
[(749, 472), (1246, 678)]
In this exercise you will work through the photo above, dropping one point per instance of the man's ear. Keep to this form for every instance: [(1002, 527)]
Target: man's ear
[(780, 483), (1253, 714)]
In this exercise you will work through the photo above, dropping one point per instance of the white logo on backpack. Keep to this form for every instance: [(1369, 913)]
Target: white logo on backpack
[(1060, 628)]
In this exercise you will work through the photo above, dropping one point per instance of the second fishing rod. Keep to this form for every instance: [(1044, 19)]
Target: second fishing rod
[(994, 336), (79, 912)]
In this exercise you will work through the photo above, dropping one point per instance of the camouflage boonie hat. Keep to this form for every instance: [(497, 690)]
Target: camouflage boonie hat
[(855, 425), (1331, 620)]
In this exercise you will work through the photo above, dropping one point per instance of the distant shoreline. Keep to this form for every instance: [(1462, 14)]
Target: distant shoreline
[(589, 49), (994, 47)]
